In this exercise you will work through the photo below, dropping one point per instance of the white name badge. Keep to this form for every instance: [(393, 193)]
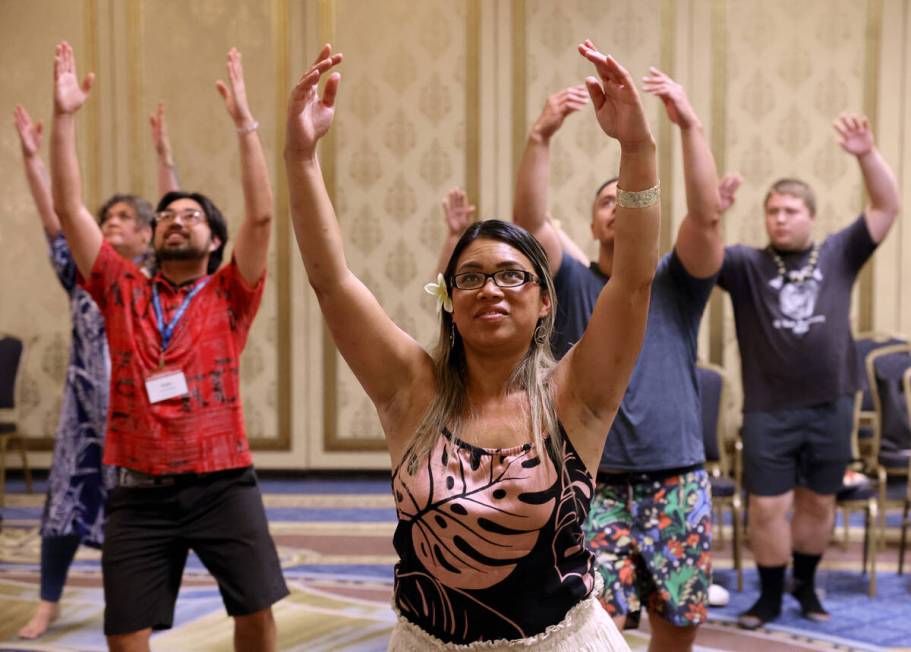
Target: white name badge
[(167, 383)]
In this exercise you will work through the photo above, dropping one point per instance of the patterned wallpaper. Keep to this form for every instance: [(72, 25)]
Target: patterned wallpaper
[(399, 136), (400, 142)]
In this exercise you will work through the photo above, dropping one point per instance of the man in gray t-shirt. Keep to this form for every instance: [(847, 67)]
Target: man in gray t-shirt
[(791, 306), (653, 458)]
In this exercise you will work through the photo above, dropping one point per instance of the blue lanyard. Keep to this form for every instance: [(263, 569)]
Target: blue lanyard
[(167, 330)]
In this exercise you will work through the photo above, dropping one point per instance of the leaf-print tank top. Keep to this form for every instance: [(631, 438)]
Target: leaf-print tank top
[(490, 541)]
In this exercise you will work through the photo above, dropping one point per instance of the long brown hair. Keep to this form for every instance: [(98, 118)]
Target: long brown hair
[(450, 407)]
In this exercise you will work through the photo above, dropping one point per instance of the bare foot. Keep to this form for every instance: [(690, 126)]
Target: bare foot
[(44, 615)]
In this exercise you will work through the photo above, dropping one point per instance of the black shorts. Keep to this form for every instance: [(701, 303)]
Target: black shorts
[(150, 530), (807, 446)]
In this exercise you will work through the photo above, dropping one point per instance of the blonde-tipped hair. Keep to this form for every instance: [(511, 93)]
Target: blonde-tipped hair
[(450, 408)]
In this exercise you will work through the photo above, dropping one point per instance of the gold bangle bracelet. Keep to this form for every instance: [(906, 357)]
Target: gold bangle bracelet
[(639, 198)]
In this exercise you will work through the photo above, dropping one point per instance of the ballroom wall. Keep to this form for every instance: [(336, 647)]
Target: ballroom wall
[(435, 94)]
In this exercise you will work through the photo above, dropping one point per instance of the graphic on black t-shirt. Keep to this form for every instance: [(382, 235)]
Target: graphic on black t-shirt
[(797, 301)]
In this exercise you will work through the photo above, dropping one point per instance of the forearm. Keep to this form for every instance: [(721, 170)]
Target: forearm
[(532, 179), (66, 187), (255, 179), (39, 184), (700, 176), (82, 232), (315, 225), (167, 176), (879, 182), (636, 229)]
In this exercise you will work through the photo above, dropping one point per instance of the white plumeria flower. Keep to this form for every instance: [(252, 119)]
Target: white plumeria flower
[(439, 291)]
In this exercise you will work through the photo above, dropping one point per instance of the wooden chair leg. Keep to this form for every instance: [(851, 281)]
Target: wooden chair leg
[(736, 544), (718, 531), (845, 513), (3, 439), (904, 537), (26, 471), (866, 539), (874, 548)]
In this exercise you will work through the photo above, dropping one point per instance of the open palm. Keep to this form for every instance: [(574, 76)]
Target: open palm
[(69, 94), (854, 134), (29, 132), (616, 100), (309, 115)]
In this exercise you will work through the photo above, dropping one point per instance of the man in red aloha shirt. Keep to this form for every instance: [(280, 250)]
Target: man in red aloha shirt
[(175, 426)]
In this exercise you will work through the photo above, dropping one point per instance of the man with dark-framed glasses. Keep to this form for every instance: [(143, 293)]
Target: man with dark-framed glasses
[(175, 428)]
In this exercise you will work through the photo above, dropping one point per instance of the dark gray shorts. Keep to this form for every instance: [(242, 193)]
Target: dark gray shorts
[(150, 530), (806, 446)]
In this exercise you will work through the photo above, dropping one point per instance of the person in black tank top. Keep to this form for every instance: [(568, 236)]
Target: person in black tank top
[(492, 443)]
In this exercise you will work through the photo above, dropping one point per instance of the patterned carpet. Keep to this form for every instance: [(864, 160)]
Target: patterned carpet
[(335, 540)]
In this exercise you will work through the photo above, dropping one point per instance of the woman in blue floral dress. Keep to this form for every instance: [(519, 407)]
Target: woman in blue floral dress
[(78, 482)]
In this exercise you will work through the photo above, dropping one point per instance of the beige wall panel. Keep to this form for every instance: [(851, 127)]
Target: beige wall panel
[(791, 69), (33, 306), (582, 157), (400, 138)]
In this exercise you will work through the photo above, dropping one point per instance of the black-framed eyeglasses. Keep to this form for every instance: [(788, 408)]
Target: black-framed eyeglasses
[(189, 216), (504, 278)]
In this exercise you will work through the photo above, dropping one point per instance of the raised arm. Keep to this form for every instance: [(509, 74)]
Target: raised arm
[(39, 183), (82, 232), (700, 241), (592, 377), (530, 201), (856, 138), (457, 211), (167, 173), (251, 249), (384, 359)]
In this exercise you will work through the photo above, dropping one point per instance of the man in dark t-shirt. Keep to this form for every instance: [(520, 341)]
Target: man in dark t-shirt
[(799, 368), (652, 463)]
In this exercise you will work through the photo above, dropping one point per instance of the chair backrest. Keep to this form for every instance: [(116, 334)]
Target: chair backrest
[(865, 344), (711, 399), (887, 367), (10, 356)]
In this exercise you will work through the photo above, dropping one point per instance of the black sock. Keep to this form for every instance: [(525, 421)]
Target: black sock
[(804, 589), (768, 606)]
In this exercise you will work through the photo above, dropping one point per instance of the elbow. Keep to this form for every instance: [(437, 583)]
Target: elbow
[(261, 219)]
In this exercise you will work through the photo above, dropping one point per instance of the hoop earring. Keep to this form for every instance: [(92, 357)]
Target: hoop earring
[(540, 336)]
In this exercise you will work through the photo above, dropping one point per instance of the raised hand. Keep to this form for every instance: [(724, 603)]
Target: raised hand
[(457, 211), (558, 106), (309, 115), (235, 96), (160, 138), (617, 104), (854, 134), (69, 94), (727, 189), (678, 107), (29, 132)]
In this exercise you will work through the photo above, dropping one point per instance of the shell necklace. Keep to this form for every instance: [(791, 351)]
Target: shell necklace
[(797, 275)]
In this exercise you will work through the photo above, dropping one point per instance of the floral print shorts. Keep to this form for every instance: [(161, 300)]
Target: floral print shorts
[(652, 540)]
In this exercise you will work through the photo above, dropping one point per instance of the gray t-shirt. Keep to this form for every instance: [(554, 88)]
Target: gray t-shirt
[(795, 339), (658, 425)]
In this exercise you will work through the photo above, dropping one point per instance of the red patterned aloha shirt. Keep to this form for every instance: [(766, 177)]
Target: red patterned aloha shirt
[(204, 430)]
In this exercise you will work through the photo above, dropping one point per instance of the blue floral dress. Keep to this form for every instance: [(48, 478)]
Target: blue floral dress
[(78, 482)]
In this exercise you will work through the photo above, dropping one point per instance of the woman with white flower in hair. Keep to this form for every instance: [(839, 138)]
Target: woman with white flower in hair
[(491, 442)]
